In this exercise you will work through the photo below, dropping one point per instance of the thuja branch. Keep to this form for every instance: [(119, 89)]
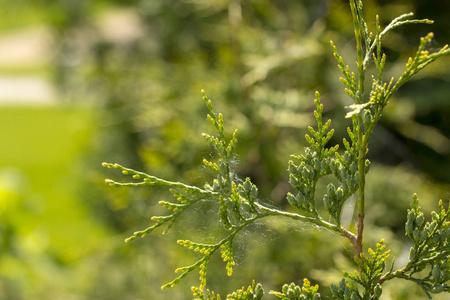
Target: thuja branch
[(150, 180), (397, 22), (358, 22), (225, 245), (368, 112), (238, 200), (316, 221), (431, 247), (361, 188)]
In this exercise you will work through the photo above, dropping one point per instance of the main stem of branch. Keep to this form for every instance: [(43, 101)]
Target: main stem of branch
[(359, 49), (362, 184), (361, 139)]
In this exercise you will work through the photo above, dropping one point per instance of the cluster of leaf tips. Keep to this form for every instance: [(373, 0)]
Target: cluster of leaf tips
[(239, 205)]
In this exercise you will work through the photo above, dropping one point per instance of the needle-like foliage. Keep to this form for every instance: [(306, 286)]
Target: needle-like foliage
[(240, 206)]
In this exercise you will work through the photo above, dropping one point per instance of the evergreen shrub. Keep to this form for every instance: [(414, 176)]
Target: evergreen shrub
[(240, 205)]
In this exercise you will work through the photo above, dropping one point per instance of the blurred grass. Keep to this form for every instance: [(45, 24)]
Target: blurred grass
[(40, 154), (44, 145)]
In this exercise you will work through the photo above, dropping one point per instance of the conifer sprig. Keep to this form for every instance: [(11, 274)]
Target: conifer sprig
[(368, 276), (397, 22), (367, 111), (294, 292), (189, 197), (252, 292), (238, 200), (431, 240), (313, 165)]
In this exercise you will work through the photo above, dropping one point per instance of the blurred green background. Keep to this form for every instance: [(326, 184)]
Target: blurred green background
[(82, 82)]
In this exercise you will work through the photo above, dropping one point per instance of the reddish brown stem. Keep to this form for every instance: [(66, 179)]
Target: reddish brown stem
[(359, 237)]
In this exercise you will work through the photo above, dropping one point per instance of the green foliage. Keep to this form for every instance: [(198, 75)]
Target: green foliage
[(368, 277), (431, 249), (239, 204), (253, 292), (314, 165), (294, 292)]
